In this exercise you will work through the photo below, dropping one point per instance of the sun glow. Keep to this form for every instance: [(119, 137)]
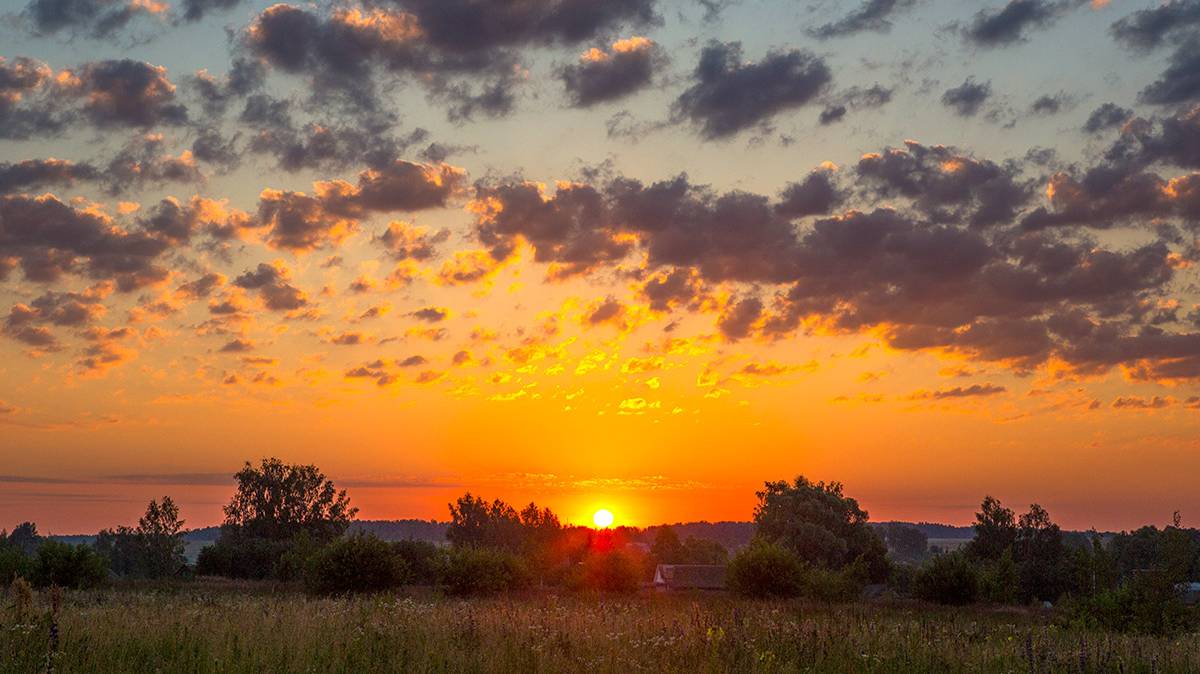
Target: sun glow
[(603, 519)]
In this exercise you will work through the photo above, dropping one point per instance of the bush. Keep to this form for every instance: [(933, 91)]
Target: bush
[(1148, 603), (948, 578), (612, 571), (827, 585), (1000, 580), (359, 563), (765, 570), (243, 557), (426, 561), (72, 566), (14, 563), (484, 571)]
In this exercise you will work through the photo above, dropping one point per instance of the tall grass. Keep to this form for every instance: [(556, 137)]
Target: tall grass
[(205, 629)]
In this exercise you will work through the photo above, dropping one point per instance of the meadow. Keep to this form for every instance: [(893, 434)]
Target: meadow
[(222, 627)]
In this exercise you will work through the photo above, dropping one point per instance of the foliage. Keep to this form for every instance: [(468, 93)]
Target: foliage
[(484, 571), (25, 538), (426, 562), (277, 502), (1147, 603), (819, 523), (357, 563), (765, 569), (612, 571), (995, 530), (904, 541), (152, 550), (14, 563), (668, 549), (948, 578), (73, 566), (279, 515)]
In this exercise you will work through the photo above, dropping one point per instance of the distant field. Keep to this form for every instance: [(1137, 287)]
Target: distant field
[(214, 628)]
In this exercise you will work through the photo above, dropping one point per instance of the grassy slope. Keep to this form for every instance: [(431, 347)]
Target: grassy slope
[(201, 628)]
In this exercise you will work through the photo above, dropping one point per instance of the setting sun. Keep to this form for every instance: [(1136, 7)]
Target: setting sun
[(603, 519)]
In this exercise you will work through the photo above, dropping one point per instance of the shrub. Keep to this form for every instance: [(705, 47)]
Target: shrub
[(612, 571), (828, 585), (242, 557), (948, 578), (358, 563), (14, 563), (426, 561), (1000, 580), (765, 570), (484, 571), (73, 566)]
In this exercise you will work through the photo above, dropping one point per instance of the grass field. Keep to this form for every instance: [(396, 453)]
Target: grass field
[(205, 628)]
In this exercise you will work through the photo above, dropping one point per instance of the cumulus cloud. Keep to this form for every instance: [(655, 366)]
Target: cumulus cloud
[(272, 285), (125, 93), (729, 95), (603, 76)]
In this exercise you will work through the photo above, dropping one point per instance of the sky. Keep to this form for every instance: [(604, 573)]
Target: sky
[(641, 255)]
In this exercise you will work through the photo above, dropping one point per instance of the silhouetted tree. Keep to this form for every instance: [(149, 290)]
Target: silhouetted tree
[(905, 541), (277, 501), (25, 538), (1040, 555), (995, 530), (820, 524)]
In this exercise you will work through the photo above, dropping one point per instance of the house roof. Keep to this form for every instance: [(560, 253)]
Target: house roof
[(690, 576)]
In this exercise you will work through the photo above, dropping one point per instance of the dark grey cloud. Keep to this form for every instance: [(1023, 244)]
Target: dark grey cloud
[(604, 76), (302, 222), (126, 93), (32, 323), (966, 99), (1049, 104), (832, 114), (1180, 82), (1172, 140), (817, 194), (430, 314), (1107, 116), (854, 98), (472, 26), (144, 161), (946, 185), (1150, 28), (728, 95), (1008, 24), (194, 10), (27, 108), (49, 238), (871, 16), (37, 174), (273, 287), (96, 19)]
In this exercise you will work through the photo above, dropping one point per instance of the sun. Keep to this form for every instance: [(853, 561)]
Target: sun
[(603, 518)]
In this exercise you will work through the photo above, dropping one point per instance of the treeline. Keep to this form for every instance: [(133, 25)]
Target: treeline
[(290, 523)]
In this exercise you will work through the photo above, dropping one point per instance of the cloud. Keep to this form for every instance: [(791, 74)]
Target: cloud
[(27, 108), (194, 10), (1180, 82), (871, 16), (49, 239), (604, 76), (968, 97), (1107, 116), (1134, 403), (728, 95), (125, 93), (96, 19), (1008, 24), (237, 346), (431, 314), (972, 391), (272, 285), (38, 174), (817, 194), (1150, 28)]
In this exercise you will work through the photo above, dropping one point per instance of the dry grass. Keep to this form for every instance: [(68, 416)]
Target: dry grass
[(207, 628)]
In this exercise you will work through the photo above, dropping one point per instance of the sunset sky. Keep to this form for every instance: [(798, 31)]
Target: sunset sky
[(632, 254)]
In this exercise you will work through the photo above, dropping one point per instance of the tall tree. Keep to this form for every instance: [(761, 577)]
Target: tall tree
[(278, 501), (995, 530), (822, 525)]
